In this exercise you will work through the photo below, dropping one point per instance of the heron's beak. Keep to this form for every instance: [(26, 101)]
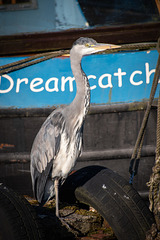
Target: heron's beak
[(66, 55), (102, 47)]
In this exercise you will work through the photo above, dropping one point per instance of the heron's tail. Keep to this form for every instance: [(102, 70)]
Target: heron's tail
[(48, 193)]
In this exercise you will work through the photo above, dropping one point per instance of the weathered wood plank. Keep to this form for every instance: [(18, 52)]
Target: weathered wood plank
[(39, 42)]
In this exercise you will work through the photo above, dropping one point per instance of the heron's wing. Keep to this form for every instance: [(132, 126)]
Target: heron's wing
[(44, 151)]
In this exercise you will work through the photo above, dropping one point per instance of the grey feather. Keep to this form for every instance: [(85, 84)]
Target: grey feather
[(44, 150)]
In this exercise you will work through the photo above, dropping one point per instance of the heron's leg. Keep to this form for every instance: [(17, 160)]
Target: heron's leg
[(56, 185)]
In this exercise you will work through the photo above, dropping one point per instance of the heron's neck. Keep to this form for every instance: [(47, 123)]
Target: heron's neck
[(82, 99)]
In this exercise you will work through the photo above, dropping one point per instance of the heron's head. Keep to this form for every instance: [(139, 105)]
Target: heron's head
[(86, 46)]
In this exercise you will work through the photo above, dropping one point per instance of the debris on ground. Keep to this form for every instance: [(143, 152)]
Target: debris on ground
[(78, 222)]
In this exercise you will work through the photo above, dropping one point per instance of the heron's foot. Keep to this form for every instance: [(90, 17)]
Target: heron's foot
[(64, 223)]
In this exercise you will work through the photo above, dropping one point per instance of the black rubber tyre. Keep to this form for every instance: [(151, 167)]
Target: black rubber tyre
[(114, 198), (18, 220)]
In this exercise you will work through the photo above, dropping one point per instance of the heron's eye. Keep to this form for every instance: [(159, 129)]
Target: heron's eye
[(88, 45)]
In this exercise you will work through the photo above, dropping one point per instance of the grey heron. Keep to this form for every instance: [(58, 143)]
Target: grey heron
[(58, 142)]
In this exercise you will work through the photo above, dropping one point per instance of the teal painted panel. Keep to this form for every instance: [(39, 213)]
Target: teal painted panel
[(114, 78)]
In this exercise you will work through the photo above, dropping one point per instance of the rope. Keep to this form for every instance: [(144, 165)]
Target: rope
[(158, 131), (135, 158), (48, 55), (30, 61), (23, 60), (154, 194), (154, 183)]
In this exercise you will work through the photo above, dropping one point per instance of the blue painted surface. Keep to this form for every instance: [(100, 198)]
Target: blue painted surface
[(114, 78), (69, 15), (49, 16)]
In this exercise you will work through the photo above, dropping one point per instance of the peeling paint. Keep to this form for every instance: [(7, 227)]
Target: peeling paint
[(6, 145), (110, 95)]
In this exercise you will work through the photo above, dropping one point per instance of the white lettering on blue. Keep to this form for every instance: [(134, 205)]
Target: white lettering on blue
[(35, 83), (137, 83), (10, 81), (119, 74), (92, 77), (63, 82), (55, 81), (148, 73), (19, 81), (55, 84), (109, 82)]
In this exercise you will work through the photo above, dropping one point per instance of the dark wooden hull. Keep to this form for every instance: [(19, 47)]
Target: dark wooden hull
[(108, 140)]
